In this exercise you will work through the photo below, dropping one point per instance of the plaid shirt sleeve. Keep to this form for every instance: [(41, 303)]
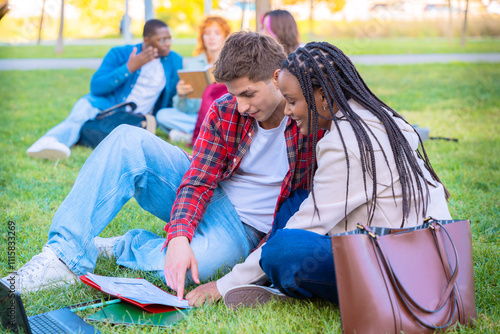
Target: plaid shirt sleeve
[(222, 142), (198, 184)]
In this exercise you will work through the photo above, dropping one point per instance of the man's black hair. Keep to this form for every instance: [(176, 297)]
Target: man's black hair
[(151, 26)]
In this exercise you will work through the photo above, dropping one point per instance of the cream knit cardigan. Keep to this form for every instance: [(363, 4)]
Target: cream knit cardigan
[(330, 192)]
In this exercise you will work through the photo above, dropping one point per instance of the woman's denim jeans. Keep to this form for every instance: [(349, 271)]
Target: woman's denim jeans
[(298, 262), (131, 162), (172, 118)]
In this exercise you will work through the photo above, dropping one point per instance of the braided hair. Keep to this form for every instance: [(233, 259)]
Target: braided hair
[(322, 65)]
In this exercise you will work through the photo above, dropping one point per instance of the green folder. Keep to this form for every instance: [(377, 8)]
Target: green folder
[(128, 314)]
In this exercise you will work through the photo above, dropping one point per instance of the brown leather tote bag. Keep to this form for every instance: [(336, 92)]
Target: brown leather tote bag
[(412, 280)]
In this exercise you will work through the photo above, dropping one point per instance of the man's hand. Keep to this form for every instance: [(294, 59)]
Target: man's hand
[(204, 293), (178, 260), (183, 88), (136, 61)]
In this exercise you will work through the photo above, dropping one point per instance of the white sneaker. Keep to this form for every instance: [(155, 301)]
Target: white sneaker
[(49, 148), (105, 246), (180, 137), (43, 271), (251, 295)]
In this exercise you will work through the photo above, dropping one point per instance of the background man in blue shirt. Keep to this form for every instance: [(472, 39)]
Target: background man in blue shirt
[(145, 74)]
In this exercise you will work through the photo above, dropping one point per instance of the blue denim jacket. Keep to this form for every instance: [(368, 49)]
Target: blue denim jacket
[(112, 82)]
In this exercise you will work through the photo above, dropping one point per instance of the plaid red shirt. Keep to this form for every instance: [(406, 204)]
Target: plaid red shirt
[(224, 138)]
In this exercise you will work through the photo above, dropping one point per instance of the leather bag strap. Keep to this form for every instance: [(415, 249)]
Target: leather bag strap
[(439, 242), (449, 293), (438, 239), (398, 327)]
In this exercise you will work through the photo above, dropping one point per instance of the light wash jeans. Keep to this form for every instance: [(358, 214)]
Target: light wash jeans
[(68, 131), (172, 118), (131, 162)]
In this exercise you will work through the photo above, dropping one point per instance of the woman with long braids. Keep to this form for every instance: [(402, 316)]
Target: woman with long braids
[(368, 170)]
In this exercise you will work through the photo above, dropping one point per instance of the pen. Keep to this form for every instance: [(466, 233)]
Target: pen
[(113, 301)]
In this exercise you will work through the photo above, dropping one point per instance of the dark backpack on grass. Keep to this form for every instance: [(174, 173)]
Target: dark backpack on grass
[(94, 131)]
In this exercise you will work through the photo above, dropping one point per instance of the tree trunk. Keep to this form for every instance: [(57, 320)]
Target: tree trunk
[(207, 7), (149, 11), (311, 20), (261, 7), (127, 35), (59, 45), (41, 22), (245, 15), (463, 40), (450, 24)]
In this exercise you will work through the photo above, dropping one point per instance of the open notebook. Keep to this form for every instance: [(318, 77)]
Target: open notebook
[(136, 291)]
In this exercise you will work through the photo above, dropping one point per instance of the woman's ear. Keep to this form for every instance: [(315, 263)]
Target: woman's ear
[(323, 98), (324, 103)]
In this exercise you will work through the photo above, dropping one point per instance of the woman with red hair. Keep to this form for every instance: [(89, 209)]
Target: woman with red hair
[(179, 122)]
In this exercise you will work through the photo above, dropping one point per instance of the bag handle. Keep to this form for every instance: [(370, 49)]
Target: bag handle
[(407, 299), (449, 292), (115, 108), (439, 241), (443, 256)]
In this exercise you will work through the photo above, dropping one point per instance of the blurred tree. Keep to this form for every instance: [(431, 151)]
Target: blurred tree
[(261, 7), (59, 45), (149, 10), (207, 6), (41, 22), (333, 5), (450, 23), (463, 38), (4, 8), (179, 13), (125, 24), (102, 15), (183, 16)]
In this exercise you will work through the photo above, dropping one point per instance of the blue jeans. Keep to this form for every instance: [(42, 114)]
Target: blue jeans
[(299, 263), (172, 118), (131, 162), (68, 131)]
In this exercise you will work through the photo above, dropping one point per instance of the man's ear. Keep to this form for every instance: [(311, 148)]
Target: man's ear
[(147, 41), (275, 78)]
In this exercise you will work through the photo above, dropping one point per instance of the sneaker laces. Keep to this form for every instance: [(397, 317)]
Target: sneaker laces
[(37, 262)]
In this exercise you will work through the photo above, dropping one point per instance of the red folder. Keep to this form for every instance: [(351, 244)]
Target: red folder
[(153, 308)]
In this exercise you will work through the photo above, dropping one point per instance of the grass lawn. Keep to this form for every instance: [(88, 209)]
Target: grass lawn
[(73, 51), (351, 46), (456, 100)]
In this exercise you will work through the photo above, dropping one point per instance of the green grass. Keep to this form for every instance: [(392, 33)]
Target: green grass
[(454, 100), (72, 51), (413, 45), (353, 46)]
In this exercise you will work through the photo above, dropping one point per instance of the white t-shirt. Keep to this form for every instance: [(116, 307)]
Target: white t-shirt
[(148, 87), (256, 185)]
